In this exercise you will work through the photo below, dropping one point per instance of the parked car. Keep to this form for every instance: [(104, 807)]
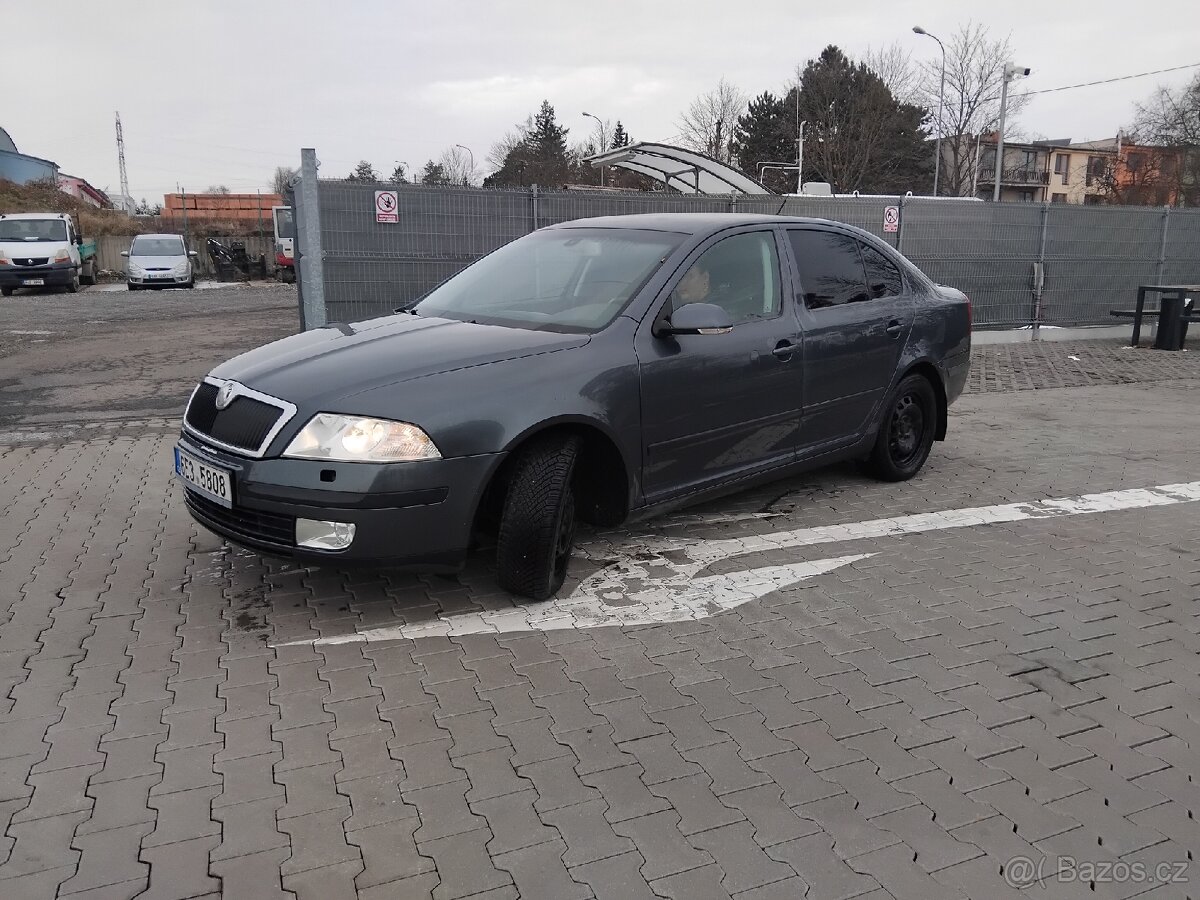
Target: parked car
[(41, 250), (158, 261), (597, 370)]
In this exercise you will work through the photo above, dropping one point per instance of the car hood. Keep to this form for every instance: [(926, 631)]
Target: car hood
[(32, 249), (157, 262), (333, 363)]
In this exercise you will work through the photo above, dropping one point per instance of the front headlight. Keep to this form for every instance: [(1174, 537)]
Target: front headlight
[(181, 268), (356, 439), (62, 256), (135, 269)]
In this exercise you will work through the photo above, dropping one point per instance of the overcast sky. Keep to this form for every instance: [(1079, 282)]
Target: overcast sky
[(220, 92)]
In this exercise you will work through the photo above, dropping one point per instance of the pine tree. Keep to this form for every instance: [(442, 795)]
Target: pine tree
[(620, 137), (434, 173), (858, 136), (762, 135), (399, 175), (538, 156), (364, 172)]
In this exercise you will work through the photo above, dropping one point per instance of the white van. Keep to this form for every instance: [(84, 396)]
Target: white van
[(41, 250)]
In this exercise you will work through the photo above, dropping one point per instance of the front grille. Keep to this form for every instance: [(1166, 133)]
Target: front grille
[(244, 423), (30, 261), (251, 525)]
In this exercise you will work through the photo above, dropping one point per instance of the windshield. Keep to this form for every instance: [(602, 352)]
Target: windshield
[(168, 246), (568, 279), (285, 226), (33, 230)]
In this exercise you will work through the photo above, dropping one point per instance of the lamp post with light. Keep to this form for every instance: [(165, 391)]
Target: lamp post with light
[(603, 140), (468, 149), (937, 158)]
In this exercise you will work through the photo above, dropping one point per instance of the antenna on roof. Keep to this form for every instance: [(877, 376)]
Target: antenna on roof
[(125, 198)]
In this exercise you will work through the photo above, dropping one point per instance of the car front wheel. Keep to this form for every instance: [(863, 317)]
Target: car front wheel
[(537, 526), (906, 432)]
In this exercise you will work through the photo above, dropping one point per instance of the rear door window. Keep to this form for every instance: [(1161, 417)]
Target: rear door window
[(831, 268), (883, 278)]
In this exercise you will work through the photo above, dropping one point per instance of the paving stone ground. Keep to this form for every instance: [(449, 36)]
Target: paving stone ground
[(957, 714)]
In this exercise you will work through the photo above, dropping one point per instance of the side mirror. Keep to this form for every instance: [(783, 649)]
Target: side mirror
[(193, 254), (79, 240), (698, 318), (125, 253)]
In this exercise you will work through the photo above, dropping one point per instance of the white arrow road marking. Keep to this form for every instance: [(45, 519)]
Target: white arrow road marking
[(674, 599), (657, 581)]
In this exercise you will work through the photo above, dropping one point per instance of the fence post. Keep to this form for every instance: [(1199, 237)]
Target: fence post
[(1039, 277), (311, 261), (900, 225), (732, 202), (1162, 246), (533, 204)]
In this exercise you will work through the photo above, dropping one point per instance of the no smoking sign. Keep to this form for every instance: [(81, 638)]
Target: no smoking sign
[(385, 207)]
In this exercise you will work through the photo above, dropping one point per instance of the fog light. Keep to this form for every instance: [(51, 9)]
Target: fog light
[(324, 535)]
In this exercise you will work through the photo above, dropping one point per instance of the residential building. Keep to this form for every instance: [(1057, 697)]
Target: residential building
[(1080, 172), (1141, 174), (1024, 174), (81, 190)]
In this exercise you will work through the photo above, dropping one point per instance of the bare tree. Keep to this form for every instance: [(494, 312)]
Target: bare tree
[(282, 178), (707, 124), (974, 74), (1165, 167), (1170, 117), (895, 67), (217, 189), (456, 164)]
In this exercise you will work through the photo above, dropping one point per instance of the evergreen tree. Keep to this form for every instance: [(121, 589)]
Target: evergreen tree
[(620, 137), (764, 133), (364, 172), (399, 175), (536, 155), (434, 173), (858, 136)]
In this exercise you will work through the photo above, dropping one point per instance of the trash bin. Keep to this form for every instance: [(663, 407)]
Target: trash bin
[(1171, 324)]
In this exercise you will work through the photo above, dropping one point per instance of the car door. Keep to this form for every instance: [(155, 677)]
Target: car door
[(856, 313), (718, 405)]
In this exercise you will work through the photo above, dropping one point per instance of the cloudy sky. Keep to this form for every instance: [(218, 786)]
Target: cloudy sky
[(221, 92)]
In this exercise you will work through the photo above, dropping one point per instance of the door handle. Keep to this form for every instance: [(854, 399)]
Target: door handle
[(894, 328), (784, 350)]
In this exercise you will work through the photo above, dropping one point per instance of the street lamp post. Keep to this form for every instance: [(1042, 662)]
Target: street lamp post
[(468, 149), (937, 158), (603, 137)]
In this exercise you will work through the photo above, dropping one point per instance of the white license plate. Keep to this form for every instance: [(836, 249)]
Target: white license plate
[(33, 282), (204, 478)]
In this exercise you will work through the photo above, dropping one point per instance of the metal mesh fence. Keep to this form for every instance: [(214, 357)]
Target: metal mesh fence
[(1094, 257)]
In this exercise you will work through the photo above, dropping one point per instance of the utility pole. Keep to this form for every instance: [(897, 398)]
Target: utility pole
[(121, 163), (1011, 71)]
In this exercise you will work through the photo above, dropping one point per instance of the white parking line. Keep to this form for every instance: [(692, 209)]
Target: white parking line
[(650, 583)]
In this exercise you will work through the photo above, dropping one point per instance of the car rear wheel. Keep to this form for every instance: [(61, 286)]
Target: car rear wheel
[(906, 432), (537, 526)]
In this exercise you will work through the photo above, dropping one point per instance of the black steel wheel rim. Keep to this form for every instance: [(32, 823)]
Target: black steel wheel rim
[(906, 430)]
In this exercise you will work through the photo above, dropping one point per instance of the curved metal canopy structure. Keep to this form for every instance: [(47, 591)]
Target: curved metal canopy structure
[(683, 170)]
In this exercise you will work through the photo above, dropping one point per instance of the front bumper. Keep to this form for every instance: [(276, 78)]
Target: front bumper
[(405, 514), (169, 281), (52, 276)]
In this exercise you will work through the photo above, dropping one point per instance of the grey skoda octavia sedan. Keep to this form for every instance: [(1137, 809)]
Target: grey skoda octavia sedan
[(596, 370)]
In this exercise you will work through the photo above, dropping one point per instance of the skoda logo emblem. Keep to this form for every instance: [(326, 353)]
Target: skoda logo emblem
[(226, 394)]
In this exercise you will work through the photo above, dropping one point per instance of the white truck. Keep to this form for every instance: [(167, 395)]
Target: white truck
[(42, 250)]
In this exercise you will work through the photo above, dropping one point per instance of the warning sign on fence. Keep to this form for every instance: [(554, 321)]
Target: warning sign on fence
[(891, 219), (385, 206)]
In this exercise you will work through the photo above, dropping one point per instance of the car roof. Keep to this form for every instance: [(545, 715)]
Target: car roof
[(136, 236), (40, 216), (694, 223)]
